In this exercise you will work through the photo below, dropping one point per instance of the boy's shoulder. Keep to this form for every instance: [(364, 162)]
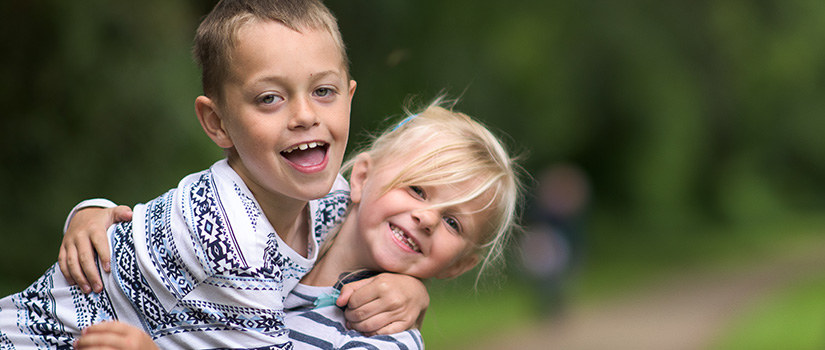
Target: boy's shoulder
[(338, 196), (330, 210), (340, 185)]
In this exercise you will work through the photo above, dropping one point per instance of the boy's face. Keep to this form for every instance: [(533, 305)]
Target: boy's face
[(285, 109)]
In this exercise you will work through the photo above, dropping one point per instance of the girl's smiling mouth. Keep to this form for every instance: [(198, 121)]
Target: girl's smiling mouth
[(403, 238)]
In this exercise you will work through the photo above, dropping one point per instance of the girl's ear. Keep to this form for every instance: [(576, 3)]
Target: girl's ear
[(211, 121), (358, 176), (459, 267)]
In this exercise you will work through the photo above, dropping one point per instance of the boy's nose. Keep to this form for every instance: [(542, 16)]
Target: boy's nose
[(303, 114), (426, 219)]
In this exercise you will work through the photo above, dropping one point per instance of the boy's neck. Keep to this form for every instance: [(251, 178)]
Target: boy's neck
[(340, 257), (288, 216), (295, 233)]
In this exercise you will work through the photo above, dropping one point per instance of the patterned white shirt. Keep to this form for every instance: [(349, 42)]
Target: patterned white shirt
[(198, 267)]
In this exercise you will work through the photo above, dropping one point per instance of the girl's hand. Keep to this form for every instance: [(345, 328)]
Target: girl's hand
[(114, 335), (384, 304), (86, 235)]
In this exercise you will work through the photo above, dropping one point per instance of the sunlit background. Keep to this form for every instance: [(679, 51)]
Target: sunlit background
[(690, 133)]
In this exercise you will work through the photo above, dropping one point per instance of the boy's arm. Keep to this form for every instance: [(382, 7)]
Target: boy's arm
[(85, 234), (384, 304), (115, 336)]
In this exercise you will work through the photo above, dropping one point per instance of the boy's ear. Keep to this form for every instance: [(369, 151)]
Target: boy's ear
[(352, 85), (211, 121), (358, 176), (459, 267)]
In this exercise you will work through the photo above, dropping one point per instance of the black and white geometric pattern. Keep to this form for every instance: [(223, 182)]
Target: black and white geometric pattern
[(199, 266)]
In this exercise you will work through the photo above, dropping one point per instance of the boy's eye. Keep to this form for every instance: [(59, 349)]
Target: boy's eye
[(418, 192), (452, 223), (324, 92), (269, 99)]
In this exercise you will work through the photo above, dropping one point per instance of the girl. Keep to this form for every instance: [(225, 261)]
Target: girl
[(431, 197)]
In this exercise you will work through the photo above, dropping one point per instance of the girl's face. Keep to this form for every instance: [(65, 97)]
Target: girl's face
[(402, 231)]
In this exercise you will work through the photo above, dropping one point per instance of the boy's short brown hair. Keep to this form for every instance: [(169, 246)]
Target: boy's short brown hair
[(216, 35)]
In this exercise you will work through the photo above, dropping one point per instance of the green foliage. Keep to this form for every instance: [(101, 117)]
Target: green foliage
[(97, 101), (681, 111)]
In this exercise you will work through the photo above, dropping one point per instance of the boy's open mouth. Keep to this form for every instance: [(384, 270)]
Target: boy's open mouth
[(402, 237), (306, 154)]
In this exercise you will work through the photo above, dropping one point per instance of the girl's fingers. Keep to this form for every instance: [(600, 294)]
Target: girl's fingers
[(121, 213), (62, 256), (116, 336), (88, 265), (100, 239), (76, 270), (100, 244)]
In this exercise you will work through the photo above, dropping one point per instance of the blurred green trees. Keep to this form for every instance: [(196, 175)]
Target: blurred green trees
[(683, 112)]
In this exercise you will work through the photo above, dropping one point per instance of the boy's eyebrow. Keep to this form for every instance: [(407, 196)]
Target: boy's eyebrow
[(281, 79), (324, 74)]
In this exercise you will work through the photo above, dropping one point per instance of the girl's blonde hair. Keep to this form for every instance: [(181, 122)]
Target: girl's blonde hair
[(466, 151)]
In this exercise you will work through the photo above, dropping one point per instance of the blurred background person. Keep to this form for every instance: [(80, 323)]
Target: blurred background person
[(553, 244)]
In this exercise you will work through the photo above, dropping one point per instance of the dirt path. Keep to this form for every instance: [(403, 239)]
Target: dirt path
[(682, 315)]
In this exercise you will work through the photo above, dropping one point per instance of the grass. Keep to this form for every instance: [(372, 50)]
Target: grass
[(458, 316), (791, 319)]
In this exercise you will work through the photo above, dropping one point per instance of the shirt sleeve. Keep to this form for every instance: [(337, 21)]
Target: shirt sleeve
[(89, 203)]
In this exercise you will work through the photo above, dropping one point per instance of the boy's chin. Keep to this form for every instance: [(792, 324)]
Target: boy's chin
[(318, 190)]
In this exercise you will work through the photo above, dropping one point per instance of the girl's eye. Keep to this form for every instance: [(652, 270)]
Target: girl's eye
[(453, 223), (269, 99), (418, 192)]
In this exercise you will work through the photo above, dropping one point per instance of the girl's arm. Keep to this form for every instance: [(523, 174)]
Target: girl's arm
[(114, 336), (384, 304), (86, 235)]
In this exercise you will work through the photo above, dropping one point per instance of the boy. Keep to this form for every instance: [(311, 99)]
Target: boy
[(207, 264)]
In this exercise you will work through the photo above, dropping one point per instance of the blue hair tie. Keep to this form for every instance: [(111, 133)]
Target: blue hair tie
[(326, 299), (405, 121)]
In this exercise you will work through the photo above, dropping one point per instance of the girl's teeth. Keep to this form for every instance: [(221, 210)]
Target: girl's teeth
[(404, 238)]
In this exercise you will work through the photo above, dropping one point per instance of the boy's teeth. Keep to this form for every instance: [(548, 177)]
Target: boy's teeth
[(305, 146)]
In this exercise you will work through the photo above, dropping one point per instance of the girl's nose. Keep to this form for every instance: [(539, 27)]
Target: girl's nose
[(303, 114), (426, 219)]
